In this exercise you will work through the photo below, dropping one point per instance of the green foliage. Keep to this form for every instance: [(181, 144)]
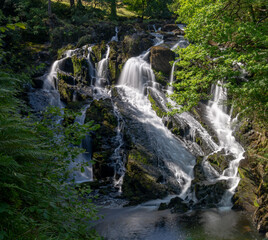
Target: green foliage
[(36, 202), (153, 8), (230, 40)]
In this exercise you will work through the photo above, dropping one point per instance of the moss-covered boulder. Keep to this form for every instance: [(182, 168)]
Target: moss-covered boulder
[(66, 91), (133, 45), (81, 70), (87, 39), (98, 51), (210, 194), (245, 194), (219, 161), (139, 186), (160, 58)]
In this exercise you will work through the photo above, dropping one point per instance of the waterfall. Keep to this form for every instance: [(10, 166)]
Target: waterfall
[(115, 38), (132, 84), (136, 73), (222, 124), (117, 159), (171, 78), (92, 70), (102, 69), (83, 160), (50, 82)]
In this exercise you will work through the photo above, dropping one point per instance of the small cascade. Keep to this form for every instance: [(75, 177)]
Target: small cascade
[(117, 158), (136, 73), (222, 124), (92, 70), (51, 81), (154, 28), (83, 160), (171, 79), (115, 38), (102, 68)]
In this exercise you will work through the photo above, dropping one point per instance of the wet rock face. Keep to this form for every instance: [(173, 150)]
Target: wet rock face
[(101, 112), (160, 58)]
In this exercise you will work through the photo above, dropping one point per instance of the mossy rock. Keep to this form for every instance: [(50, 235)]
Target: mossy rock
[(139, 186), (66, 91), (67, 78), (209, 194), (159, 112), (161, 78), (245, 195), (80, 70), (62, 50), (219, 161), (87, 39), (138, 156), (98, 51)]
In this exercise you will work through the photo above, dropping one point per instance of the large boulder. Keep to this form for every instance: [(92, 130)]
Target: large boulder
[(160, 59), (133, 45), (139, 185), (176, 205), (210, 194)]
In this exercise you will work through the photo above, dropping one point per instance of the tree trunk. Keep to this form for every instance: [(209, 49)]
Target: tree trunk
[(49, 8), (113, 9), (71, 3), (2, 2)]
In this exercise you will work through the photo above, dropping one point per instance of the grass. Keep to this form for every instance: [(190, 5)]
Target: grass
[(122, 10)]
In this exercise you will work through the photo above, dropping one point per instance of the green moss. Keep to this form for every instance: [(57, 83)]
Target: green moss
[(98, 51), (84, 41), (241, 173), (65, 91), (64, 49), (139, 186), (78, 64), (137, 156), (158, 111), (176, 131), (161, 78)]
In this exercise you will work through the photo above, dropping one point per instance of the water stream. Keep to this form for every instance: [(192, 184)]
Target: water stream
[(222, 124)]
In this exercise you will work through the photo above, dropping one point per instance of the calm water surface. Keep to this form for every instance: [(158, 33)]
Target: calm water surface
[(146, 223)]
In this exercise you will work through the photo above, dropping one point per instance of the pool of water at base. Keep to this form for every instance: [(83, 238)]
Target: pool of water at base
[(146, 223)]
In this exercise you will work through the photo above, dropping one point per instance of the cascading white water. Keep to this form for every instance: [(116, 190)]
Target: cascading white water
[(115, 37), (171, 78), (83, 160), (135, 74), (222, 124), (50, 81), (51, 78), (102, 69), (117, 158), (92, 70)]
